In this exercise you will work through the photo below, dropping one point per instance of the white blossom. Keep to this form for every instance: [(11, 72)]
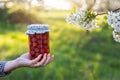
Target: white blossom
[(116, 36), (114, 21), (89, 26), (81, 18), (71, 19), (111, 19), (117, 27)]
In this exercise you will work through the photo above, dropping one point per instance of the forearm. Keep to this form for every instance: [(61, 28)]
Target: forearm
[(10, 66)]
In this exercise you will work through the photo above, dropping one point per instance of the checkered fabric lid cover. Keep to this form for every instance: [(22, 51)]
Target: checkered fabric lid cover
[(37, 28)]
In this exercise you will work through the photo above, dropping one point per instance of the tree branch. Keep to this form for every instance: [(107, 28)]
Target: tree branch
[(102, 13), (116, 10)]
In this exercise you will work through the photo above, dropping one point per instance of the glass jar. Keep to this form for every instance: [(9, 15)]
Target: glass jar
[(38, 35)]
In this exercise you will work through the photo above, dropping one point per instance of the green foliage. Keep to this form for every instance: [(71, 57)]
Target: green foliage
[(78, 56), (3, 14), (18, 14), (90, 16)]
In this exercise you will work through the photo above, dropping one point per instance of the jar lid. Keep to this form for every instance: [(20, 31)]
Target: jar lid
[(37, 28)]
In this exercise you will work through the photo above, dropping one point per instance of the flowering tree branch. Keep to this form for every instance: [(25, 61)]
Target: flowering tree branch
[(86, 20)]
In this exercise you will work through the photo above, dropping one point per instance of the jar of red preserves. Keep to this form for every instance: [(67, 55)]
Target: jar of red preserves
[(38, 35)]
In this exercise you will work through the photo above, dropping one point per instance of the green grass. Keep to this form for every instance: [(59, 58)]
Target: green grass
[(78, 55)]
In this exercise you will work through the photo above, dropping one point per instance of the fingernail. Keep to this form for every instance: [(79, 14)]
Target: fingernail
[(48, 54)]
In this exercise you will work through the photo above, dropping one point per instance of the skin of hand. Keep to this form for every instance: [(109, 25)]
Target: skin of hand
[(25, 61)]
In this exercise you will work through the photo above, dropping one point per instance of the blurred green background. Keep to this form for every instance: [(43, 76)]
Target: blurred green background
[(78, 55)]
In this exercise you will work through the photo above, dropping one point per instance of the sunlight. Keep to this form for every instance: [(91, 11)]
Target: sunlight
[(55, 4), (34, 2)]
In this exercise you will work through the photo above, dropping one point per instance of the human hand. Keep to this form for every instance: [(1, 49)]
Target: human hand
[(25, 61)]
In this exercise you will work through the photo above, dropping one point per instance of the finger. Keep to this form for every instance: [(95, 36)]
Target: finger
[(48, 58), (41, 62), (51, 59), (36, 59)]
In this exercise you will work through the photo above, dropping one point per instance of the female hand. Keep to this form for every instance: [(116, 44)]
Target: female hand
[(25, 60)]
